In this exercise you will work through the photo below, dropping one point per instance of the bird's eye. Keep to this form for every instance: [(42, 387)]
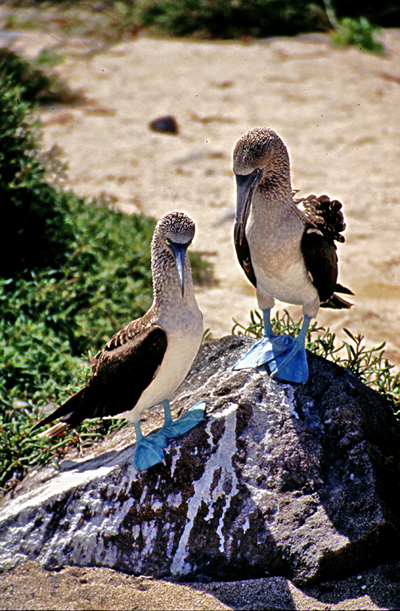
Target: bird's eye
[(168, 241)]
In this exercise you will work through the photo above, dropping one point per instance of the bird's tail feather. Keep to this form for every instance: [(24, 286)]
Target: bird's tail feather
[(343, 289), (336, 302), (55, 430), (64, 411)]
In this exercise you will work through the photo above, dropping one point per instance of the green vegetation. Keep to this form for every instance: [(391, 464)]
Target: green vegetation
[(359, 33), (72, 272), (354, 31), (230, 19), (34, 84), (34, 213), (370, 366), (111, 20), (255, 18)]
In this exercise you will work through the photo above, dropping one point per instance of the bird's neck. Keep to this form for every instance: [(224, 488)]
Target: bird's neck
[(167, 288), (276, 183), (273, 204)]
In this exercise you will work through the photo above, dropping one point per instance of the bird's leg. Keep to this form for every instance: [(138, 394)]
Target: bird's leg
[(167, 413), (175, 428), (267, 332), (285, 356), (148, 450), (267, 349)]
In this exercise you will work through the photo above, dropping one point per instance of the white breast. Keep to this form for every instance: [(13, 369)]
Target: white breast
[(274, 239), (184, 334), (291, 285)]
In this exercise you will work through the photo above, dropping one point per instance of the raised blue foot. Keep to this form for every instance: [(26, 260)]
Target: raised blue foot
[(175, 428), (285, 356)]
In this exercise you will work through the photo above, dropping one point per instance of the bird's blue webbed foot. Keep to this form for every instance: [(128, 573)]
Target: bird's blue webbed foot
[(149, 449), (265, 351), (285, 356), (292, 365), (175, 428)]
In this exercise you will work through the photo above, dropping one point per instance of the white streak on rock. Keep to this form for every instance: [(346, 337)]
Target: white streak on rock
[(175, 459), (149, 532), (174, 499), (90, 537), (219, 460), (144, 493), (170, 543), (290, 402), (135, 531)]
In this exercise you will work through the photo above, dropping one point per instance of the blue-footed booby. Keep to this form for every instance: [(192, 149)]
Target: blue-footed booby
[(146, 361), (285, 247)]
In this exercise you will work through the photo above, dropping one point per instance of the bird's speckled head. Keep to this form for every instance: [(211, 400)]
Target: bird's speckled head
[(260, 148), (176, 227), (172, 237)]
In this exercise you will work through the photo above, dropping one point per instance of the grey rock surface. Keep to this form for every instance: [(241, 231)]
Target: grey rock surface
[(278, 480)]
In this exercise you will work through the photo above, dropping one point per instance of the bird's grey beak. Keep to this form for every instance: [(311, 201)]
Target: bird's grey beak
[(179, 251), (245, 187)]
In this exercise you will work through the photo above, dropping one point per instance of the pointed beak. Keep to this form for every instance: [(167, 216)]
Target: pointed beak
[(246, 187), (179, 252)]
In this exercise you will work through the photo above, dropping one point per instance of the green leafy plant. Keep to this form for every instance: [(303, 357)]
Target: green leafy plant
[(354, 31), (34, 84), (35, 215), (48, 57), (359, 33)]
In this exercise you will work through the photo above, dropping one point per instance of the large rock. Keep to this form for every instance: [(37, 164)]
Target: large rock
[(278, 479)]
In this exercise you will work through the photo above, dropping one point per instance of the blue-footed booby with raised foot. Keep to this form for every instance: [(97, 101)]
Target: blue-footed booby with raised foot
[(147, 360), (285, 247)]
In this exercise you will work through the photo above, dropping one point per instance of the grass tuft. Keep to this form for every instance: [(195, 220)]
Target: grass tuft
[(359, 33)]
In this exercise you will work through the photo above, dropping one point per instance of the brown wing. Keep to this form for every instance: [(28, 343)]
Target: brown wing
[(321, 262), (122, 371), (243, 255), (324, 214), (324, 224)]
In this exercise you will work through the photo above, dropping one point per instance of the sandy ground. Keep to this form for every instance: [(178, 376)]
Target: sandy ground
[(31, 587), (338, 111)]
